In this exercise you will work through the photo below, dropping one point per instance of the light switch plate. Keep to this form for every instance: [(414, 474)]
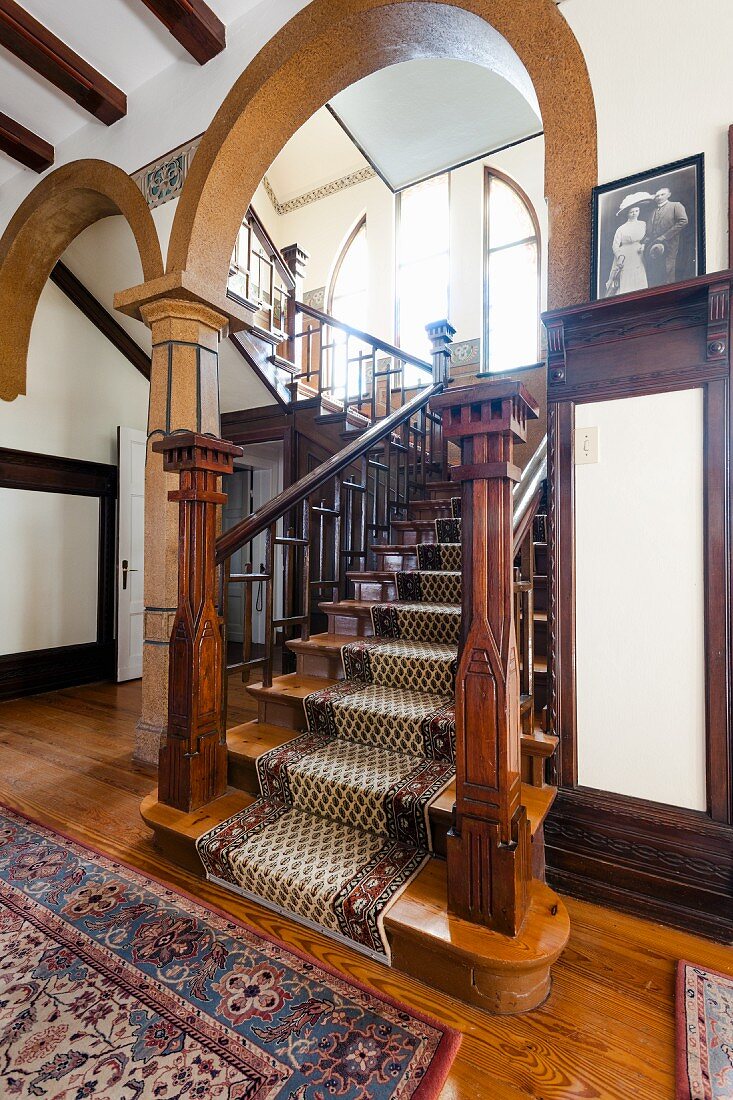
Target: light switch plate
[(585, 445)]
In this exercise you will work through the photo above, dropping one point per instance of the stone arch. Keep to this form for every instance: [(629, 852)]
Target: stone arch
[(331, 44), (63, 204)]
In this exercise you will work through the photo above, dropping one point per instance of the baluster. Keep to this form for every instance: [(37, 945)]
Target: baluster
[(489, 857), (193, 761), (246, 623), (306, 527), (269, 604), (338, 504)]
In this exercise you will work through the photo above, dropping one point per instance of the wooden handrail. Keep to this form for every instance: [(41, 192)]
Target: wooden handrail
[(381, 345), (232, 540), (527, 494)]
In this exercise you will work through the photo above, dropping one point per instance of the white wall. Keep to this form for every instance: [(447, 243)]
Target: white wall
[(639, 600), (48, 570)]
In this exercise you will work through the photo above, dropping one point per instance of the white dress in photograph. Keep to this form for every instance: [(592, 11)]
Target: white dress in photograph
[(627, 244)]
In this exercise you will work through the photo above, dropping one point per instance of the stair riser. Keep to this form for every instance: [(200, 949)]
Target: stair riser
[(395, 562), (242, 773), (540, 557), (430, 509), (360, 626), (328, 665), (410, 536), (374, 591)]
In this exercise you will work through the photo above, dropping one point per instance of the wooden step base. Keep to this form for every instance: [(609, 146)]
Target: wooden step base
[(501, 975), (498, 974), (250, 740)]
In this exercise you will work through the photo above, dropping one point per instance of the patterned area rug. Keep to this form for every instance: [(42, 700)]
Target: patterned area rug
[(704, 1034), (115, 986), (343, 824)]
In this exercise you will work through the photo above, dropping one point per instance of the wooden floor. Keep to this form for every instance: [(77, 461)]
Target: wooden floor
[(607, 1029)]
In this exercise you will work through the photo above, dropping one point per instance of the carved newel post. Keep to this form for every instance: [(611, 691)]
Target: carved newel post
[(193, 760), (489, 859)]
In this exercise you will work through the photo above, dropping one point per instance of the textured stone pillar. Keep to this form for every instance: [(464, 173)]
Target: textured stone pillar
[(184, 396)]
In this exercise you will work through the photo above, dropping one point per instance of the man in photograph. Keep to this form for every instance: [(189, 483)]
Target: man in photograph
[(667, 221)]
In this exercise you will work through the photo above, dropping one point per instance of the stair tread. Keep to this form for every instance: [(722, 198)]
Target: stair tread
[(291, 685), (394, 548), (347, 607), (320, 643), (422, 911), (417, 524)]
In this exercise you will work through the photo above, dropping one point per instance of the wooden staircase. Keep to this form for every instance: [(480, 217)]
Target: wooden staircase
[(430, 937)]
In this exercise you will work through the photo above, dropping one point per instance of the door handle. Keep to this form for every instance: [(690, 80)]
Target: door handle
[(126, 568)]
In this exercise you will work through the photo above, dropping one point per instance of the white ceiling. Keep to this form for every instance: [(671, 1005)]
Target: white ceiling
[(422, 117), (122, 39)]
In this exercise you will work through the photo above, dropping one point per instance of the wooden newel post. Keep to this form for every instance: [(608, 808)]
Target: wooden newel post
[(440, 334), (193, 760), (489, 859)]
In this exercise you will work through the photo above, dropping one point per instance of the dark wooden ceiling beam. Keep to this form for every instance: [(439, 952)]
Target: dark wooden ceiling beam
[(95, 312), (194, 24), (24, 146), (52, 59)]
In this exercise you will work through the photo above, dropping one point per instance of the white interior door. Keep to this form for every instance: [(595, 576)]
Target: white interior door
[(130, 548)]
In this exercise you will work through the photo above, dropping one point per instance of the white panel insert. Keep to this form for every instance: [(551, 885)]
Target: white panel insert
[(640, 662)]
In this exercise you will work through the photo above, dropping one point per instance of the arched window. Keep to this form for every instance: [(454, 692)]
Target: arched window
[(511, 275), (348, 291)]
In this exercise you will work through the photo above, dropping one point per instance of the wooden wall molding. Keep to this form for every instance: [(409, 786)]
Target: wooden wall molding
[(63, 666), (61, 206), (667, 863), (24, 146), (194, 24), (95, 312)]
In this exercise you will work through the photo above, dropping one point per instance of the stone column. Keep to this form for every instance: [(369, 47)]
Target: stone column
[(184, 396)]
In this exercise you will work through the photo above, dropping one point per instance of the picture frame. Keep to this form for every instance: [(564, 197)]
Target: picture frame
[(662, 243)]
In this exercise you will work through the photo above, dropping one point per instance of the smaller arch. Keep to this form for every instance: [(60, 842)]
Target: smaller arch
[(60, 207), (360, 226)]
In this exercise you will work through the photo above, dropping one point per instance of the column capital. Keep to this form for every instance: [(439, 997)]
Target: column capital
[(296, 258), (176, 290)]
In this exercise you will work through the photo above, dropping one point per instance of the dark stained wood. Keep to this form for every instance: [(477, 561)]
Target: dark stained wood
[(730, 196), (24, 146), (193, 761), (194, 24), (489, 857), (95, 312), (670, 863), (44, 669), (52, 59)]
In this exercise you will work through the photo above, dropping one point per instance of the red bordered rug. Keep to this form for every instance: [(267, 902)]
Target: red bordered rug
[(114, 985), (704, 1008)]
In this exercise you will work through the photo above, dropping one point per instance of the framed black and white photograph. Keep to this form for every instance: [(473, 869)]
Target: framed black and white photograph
[(649, 229)]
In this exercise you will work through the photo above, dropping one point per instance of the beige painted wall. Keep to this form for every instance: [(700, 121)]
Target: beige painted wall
[(639, 600)]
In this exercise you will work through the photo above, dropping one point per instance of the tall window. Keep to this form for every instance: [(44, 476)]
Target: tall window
[(422, 261), (511, 276), (348, 292), (348, 301)]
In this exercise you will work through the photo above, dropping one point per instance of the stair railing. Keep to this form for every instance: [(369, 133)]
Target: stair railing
[(356, 491), (260, 279)]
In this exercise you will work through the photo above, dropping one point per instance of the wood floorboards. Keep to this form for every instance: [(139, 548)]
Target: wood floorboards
[(607, 1030)]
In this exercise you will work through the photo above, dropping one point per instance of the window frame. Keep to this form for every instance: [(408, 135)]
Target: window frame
[(489, 174), (397, 264), (359, 225)]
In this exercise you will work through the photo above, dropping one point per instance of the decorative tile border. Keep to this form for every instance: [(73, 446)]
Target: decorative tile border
[(317, 193), (163, 179), (316, 299)]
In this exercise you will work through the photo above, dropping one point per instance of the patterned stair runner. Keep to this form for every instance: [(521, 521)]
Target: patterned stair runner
[(342, 823)]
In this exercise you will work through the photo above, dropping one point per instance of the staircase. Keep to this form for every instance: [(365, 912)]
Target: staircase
[(340, 806)]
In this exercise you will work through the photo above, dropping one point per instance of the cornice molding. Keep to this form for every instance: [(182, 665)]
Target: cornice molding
[(317, 193)]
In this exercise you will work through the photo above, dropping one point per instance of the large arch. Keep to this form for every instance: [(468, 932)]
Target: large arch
[(332, 43), (62, 205)]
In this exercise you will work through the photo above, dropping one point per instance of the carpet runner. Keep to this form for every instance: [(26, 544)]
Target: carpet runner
[(704, 1009), (117, 987), (342, 823)]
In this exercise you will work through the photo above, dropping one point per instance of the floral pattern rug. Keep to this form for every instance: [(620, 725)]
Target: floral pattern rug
[(704, 1034), (114, 986)]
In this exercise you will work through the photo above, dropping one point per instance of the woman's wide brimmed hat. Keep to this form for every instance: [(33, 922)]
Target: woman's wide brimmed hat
[(634, 200)]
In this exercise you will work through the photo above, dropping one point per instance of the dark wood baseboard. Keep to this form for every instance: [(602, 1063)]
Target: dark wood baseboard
[(42, 670), (670, 865)]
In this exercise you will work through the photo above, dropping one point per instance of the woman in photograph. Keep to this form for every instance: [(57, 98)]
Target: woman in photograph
[(627, 271)]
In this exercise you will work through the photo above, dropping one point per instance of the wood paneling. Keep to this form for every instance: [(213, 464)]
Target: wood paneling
[(52, 59), (45, 669), (673, 864), (606, 1030), (24, 146)]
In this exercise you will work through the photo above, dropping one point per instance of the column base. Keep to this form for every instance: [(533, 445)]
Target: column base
[(149, 739)]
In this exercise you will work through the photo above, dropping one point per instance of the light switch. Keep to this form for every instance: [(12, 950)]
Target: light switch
[(585, 445)]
